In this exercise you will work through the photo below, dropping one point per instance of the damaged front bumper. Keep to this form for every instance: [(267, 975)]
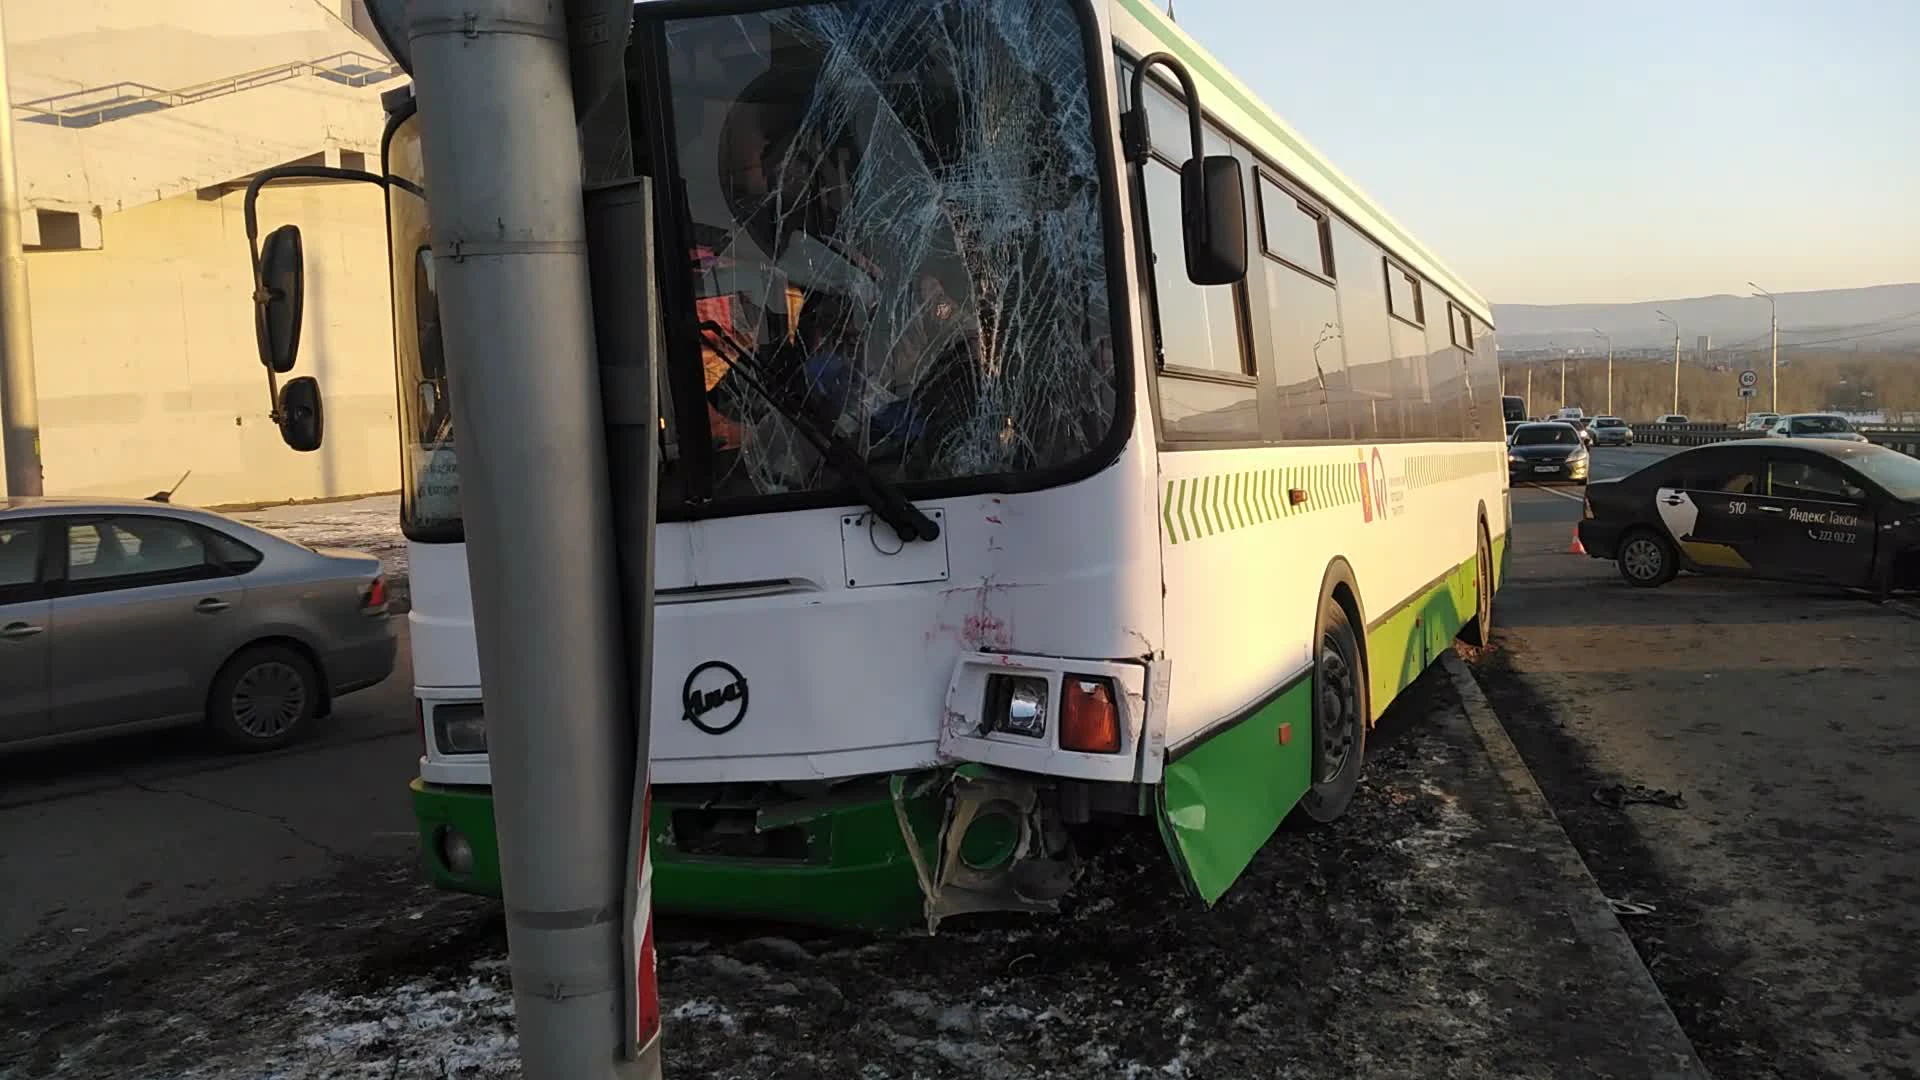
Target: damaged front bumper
[(871, 853)]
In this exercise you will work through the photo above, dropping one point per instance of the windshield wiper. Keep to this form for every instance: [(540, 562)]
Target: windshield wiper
[(877, 492)]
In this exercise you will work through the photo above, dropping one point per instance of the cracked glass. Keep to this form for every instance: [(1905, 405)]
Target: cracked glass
[(893, 218)]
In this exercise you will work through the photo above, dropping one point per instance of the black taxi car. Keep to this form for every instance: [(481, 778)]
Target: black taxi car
[(1815, 510)]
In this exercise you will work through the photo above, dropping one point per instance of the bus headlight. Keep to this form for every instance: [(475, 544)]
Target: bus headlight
[(1017, 705), (460, 728)]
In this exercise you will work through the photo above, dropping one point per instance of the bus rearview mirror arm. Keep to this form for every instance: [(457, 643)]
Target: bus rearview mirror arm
[(278, 287), (1212, 197)]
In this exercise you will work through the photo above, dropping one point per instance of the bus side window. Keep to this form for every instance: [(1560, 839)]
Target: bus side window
[(1206, 385)]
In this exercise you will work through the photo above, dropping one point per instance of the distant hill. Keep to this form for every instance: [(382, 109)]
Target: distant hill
[(1880, 316)]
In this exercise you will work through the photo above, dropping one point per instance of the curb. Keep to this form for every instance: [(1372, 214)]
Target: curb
[(1593, 920)]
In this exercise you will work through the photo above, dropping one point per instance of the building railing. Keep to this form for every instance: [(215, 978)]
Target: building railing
[(118, 101)]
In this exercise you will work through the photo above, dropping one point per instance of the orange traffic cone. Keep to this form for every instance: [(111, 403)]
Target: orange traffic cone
[(1577, 548)]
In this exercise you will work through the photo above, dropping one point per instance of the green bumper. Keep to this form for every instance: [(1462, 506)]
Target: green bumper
[(845, 867)]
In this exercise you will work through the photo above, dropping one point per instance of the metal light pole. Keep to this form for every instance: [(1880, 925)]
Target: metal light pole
[(19, 399), (1609, 342), (1664, 317), (1552, 348), (1529, 391), (510, 245), (1773, 331)]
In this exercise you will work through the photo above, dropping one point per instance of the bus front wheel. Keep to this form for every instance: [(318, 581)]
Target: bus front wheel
[(1340, 710)]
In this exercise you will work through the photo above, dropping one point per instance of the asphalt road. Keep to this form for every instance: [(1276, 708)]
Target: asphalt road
[(135, 834), (1781, 920)]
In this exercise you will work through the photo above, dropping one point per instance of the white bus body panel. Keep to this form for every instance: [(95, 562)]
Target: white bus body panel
[(440, 623), (851, 680), (1244, 566)]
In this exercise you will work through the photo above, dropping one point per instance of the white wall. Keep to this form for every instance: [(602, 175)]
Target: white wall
[(146, 363), (63, 46)]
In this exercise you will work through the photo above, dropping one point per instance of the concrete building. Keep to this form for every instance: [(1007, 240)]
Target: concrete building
[(137, 124)]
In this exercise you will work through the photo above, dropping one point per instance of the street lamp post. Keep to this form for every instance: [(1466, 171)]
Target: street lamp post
[(1773, 331), (1666, 318), (1551, 349), (1609, 342)]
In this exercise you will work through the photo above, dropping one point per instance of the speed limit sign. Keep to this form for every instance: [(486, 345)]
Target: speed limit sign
[(1748, 380)]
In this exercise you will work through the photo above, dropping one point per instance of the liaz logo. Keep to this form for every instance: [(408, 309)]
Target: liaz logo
[(714, 687), (1373, 485)]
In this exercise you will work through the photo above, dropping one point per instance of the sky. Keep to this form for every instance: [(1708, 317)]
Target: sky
[(1555, 151)]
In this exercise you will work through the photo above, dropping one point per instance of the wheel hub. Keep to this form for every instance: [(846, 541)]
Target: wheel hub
[(268, 699), (1338, 711), (1641, 559)]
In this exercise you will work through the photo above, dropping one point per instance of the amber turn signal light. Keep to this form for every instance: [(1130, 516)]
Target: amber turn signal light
[(1089, 719)]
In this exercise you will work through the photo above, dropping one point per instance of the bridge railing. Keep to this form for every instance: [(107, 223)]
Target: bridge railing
[(1691, 434), (1904, 439)]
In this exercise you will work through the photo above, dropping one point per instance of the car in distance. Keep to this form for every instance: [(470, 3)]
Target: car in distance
[(1610, 431), (1814, 426), (1813, 510), (1759, 421), (1673, 418), (1549, 451), (122, 615)]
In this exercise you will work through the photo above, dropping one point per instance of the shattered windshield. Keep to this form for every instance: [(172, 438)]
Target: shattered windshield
[(892, 213)]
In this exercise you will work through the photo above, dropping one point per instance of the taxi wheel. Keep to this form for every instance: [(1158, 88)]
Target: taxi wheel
[(1647, 560)]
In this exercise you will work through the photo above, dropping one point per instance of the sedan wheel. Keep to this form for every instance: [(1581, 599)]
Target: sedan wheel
[(264, 698), (268, 699)]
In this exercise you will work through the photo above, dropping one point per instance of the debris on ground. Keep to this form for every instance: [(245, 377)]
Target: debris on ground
[(1620, 796)]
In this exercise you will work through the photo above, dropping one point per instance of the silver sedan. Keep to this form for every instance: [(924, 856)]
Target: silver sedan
[(120, 615)]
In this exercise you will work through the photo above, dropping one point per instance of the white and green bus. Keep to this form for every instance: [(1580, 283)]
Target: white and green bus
[(980, 520)]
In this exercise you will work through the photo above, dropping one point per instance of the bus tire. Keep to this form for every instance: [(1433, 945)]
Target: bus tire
[(1339, 715), (1478, 631)]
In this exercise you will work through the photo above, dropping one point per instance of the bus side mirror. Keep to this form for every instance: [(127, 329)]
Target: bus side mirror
[(1214, 208), (298, 414), (279, 291)]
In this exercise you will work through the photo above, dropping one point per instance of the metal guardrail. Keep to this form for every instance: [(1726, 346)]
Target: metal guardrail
[(1691, 434), (1905, 440)]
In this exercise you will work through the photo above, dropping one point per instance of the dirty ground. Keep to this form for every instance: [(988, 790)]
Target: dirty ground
[(1775, 905), (1435, 932)]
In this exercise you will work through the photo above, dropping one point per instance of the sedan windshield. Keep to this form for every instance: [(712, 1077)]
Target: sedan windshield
[(1546, 435), (1820, 425), (1609, 421)]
